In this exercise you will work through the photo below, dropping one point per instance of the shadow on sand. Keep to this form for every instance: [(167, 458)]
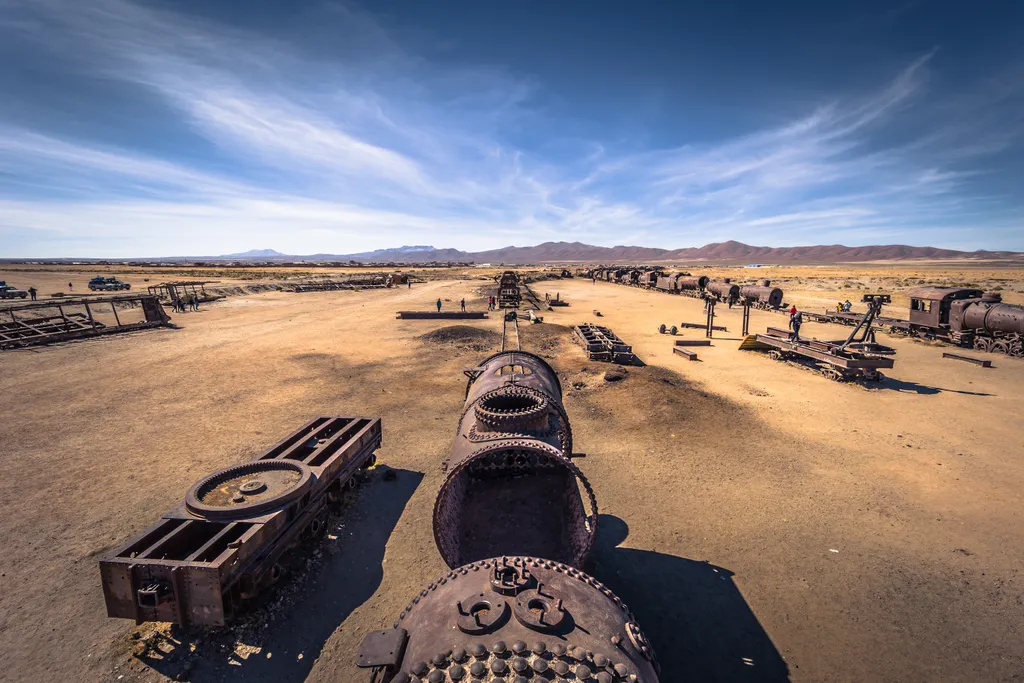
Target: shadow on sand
[(923, 389), (701, 627), (314, 604)]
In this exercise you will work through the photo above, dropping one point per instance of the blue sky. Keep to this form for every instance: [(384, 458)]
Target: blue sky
[(132, 128)]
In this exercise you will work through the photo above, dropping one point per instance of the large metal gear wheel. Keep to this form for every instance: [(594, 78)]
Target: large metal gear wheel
[(249, 489)]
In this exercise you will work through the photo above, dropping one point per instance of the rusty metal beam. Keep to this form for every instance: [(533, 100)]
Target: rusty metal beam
[(977, 361), (442, 315)]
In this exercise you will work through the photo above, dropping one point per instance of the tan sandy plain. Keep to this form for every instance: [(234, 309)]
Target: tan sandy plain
[(763, 522)]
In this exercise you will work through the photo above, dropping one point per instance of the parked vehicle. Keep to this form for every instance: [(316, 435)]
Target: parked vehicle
[(11, 292), (107, 284)]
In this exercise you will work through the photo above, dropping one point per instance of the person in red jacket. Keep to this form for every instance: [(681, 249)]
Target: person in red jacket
[(792, 312)]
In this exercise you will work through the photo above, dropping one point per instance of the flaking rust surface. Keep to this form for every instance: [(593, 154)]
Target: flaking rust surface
[(762, 522)]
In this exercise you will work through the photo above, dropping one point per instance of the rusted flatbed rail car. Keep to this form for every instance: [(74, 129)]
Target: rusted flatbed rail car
[(217, 548), (601, 343), (64, 319), (864, 364), (859, 356)]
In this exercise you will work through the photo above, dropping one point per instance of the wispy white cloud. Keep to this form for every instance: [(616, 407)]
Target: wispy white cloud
[(351, 152)]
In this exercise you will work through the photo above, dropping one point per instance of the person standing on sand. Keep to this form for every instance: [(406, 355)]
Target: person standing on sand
[(463, 304), (70, 288), (438, 304), (410, 283), (32, 292), (795, 322), (792, 312)]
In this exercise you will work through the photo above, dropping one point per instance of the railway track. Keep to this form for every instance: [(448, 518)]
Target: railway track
[(506, 329)]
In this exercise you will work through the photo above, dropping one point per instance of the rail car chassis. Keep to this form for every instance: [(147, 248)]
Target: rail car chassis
[(202, 561)]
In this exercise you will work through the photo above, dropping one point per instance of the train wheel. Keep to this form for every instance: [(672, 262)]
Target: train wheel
[(1001, 347), (982, 344), (834, 374), (1017, 349), (661, 328), (775, 355)]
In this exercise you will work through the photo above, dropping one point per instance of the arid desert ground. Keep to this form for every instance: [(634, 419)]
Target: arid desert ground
[(763, 522)]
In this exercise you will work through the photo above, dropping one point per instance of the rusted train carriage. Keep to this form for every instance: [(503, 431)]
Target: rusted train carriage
[(667, 282), (649, 278)]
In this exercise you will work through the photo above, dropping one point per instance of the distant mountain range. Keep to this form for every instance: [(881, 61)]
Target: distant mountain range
[(577, 252)]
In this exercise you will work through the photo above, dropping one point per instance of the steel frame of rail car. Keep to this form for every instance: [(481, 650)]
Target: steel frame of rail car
[(839, 365), (322, 286), (20, 332), (189, 569), (168, 291), (602, 344)]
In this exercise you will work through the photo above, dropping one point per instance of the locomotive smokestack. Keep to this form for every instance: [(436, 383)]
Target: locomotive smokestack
[(511, 486)]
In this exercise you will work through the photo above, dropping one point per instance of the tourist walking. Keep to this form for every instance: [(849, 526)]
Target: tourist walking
[(439, 304), (795, 322)]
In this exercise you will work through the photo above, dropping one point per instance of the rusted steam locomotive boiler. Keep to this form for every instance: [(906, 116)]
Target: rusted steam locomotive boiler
[(510, 521), (762, 296), (511, 486), (724, 290), (512, 619), (692, 286)]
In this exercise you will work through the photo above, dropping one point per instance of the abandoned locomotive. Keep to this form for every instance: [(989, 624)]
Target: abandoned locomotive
[(511, 521), (965, 317), (510, 485)]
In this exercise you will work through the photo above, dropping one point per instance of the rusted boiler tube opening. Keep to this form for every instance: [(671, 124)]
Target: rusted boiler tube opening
[(517, 500), (511, 486)]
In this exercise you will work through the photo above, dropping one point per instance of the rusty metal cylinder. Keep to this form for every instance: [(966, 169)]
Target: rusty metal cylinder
[(511, 486), (724, 289), (770, 296), (513, 619), (993, 317), (692, 283)]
